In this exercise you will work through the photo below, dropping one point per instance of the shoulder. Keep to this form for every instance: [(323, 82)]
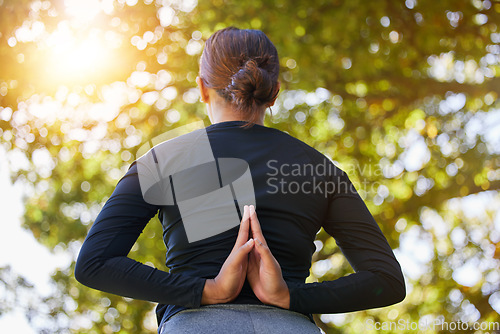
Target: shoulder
[(167, 158), (314, 155), (174, 141), (174, 151)]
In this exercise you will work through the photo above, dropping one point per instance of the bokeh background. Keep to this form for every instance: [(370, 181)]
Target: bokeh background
[(402, 95)]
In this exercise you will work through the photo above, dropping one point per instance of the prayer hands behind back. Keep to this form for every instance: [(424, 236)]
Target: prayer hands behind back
[(251, 259)]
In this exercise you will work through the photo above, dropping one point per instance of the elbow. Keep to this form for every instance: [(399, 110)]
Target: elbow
[(398, 289), (396, 281), (83, 267), (80, 272), (392, 289), (399, 293)]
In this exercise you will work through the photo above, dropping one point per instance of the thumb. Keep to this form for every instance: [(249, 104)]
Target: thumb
[(242, 252), (264, 252)]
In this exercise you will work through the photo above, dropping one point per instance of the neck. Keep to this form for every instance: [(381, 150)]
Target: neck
[(224, 113)]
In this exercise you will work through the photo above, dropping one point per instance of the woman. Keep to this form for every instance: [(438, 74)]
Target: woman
[(251, 278)]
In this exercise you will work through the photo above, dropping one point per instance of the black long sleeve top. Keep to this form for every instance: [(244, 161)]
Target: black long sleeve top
[(297, 191)]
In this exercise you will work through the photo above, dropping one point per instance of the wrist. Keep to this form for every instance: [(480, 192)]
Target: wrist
[(283, 300), (208, 295), (211, 294), (279, 298)]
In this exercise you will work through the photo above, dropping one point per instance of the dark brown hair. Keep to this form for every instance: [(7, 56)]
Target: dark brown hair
[(243, 67)]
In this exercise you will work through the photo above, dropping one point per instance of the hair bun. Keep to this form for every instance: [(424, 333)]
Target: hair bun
[(242, 66), (251, 85)]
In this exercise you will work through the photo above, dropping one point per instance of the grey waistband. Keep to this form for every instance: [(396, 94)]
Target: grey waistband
[(238, 319)]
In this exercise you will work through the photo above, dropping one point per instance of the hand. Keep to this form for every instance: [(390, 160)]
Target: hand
[(264, 272), (228, 283)]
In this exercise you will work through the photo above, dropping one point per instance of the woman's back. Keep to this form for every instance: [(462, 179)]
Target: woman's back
[(290, 210), (295, 189)]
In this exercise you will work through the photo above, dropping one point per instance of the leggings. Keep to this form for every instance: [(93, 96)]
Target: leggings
[(238, 319)]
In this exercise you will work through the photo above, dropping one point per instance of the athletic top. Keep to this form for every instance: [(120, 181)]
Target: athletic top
[(297, 191)]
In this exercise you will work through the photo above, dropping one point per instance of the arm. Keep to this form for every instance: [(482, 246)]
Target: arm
[(377, 281), (103, 263)]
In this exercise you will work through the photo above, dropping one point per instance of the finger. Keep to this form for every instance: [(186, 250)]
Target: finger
[(254, 256), (244, 228), (241, 253), (253, 261), (265, 253), (255, 226)]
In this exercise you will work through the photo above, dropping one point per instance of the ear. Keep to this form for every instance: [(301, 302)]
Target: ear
[(277, 90), (204, 96)]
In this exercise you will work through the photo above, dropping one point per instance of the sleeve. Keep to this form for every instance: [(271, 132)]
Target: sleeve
[(377, 281), (103, 264)]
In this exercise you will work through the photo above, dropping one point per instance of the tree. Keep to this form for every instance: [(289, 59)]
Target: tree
[(397, 93)]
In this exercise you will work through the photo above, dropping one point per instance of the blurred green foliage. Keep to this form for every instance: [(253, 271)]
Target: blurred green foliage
[(402, 95)]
